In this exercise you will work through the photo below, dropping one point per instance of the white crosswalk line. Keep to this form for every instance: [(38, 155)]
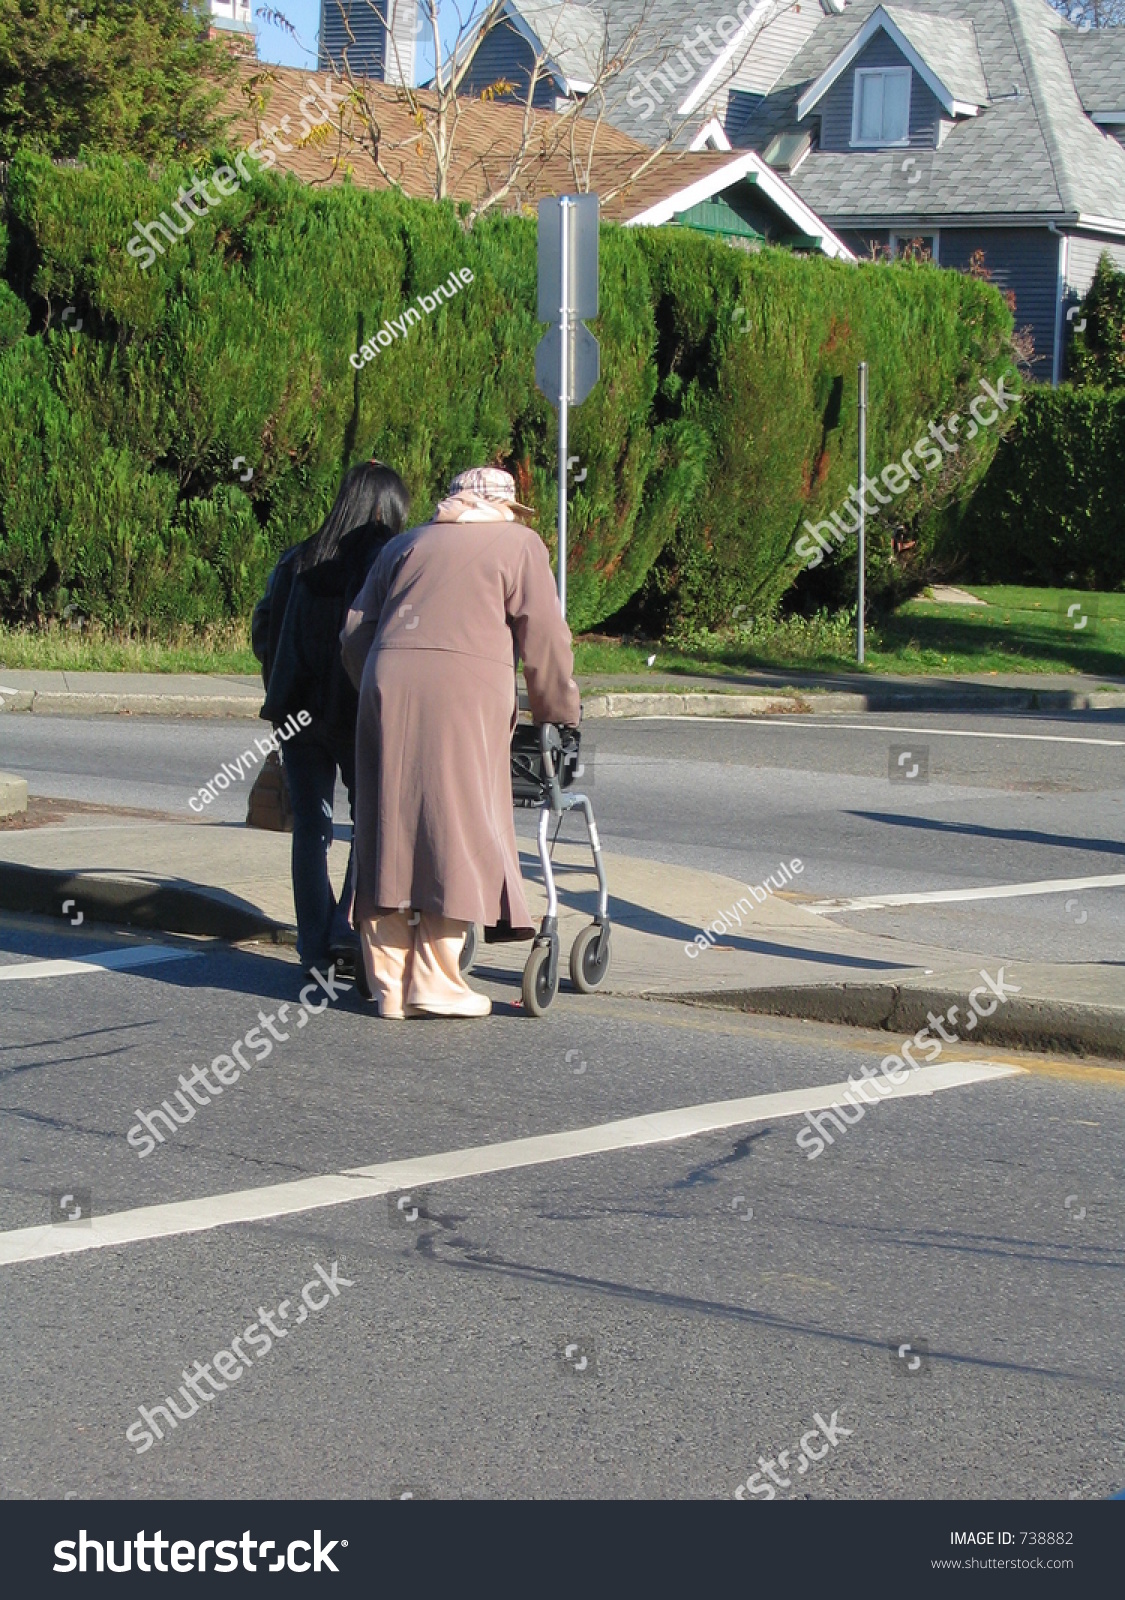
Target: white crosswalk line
[(364, 1183), (788, 723), (141, 955), (937, 897)]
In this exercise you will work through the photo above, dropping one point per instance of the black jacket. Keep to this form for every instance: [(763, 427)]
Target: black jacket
[(296, 635)]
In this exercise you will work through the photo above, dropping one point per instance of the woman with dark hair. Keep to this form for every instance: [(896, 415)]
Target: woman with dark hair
[(296, 637)]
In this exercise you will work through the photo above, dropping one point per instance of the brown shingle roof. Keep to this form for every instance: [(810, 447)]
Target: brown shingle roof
[(488, 136)]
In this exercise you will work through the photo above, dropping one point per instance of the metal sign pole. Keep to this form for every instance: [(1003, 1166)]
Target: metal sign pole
[(564, 392), (862, 502), (568, 357)]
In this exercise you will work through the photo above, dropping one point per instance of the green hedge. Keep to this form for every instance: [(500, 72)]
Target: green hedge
[(769, 346), (711, 436), (1051, 510)]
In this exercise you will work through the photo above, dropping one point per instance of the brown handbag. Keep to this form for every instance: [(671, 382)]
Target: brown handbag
[(269, 806)]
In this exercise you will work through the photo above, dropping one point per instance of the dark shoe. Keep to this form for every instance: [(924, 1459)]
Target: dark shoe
[(348, 960), (346, 953)]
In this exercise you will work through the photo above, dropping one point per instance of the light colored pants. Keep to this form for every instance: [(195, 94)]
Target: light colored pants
[(414, 962)]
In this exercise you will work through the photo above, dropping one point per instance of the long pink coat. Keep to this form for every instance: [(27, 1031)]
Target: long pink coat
[(431, 646)]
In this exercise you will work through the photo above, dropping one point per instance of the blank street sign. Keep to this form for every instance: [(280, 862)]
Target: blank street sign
[(582, 212), (585, 363)]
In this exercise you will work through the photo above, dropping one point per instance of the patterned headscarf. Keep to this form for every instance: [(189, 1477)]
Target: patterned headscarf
[(491, 484)]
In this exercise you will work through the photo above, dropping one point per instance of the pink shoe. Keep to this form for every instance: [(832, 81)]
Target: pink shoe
[(470, 1004)]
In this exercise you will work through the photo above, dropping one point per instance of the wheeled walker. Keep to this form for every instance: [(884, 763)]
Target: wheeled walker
[(545, 764)]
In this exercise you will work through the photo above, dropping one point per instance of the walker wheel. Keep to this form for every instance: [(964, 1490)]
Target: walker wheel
[(587, 967), (538, 990), (468, 950)]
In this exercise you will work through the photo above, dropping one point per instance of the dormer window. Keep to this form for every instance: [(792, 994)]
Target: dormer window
[(881, 108)]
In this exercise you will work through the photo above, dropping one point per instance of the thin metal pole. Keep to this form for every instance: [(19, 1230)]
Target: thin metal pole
[(862, 502), (564, 385)]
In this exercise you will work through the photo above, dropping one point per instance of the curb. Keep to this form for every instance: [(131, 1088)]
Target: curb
[(832, 702), (73, 703), (603, 706), (1024, 1022), (152, 904), (616, 704), (13, 795), (159, 907)]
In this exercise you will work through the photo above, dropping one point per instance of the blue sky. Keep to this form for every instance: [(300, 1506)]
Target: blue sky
[(275, 45)]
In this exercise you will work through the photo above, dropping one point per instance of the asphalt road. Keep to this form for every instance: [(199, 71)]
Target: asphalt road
[(997, 801), (643, 1321)]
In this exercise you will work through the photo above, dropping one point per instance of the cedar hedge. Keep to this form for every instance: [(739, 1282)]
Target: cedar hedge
[(762, 353), (726, 414)]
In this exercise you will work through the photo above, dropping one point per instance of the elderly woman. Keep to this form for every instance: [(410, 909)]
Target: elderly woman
[(431, 644)]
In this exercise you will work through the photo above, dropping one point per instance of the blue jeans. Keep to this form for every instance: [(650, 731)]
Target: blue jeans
[(310, 768)]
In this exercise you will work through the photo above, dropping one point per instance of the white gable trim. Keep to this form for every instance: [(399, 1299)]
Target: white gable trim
[(719, 65), (711, 134), (879, 22), (790, 204), (550, 66), (1101, 224)]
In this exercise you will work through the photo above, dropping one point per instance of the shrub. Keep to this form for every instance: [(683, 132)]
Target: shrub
[(709, 437), (135, 76), (762, 353), (1098, 356), (1050, 510)]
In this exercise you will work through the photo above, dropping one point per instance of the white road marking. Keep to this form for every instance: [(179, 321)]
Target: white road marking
[(141, 955), (934, 897), (803, 723), (363, 1183)]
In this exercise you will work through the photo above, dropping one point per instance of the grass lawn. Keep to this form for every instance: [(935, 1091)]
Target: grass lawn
[(63, 649), (1016, 630)]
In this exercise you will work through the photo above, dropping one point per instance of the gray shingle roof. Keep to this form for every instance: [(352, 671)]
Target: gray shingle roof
[(665, 26), (948, 46), (1035, 154), (573, 36), (1097, 65)]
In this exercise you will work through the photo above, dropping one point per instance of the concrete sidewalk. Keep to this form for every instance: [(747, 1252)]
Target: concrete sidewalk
[(140, 693), (758, 693), (232, 882)]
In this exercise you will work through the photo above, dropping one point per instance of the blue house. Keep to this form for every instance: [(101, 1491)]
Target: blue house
[(988, 131), (376, 38)]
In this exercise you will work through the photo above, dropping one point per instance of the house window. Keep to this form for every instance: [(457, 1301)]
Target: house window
[(916, 247), (881, 109)]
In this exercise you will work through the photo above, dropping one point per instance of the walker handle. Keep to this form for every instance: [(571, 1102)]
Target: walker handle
[(550, 744)]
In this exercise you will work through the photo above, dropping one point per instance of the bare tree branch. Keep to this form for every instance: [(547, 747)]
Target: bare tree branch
[(576, 127), (1092, 13)]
